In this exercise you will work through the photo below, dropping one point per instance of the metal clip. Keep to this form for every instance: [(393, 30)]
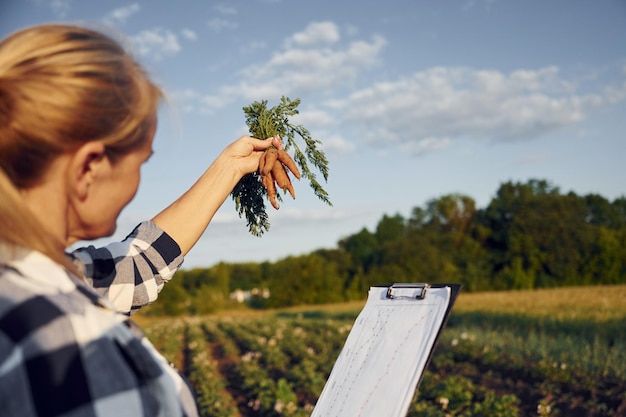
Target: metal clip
[(411, 291)]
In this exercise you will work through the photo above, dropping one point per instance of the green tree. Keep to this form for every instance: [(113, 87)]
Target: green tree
[(452, 213), (411, 259), (390, 228), (346, 272), (360, 246), (246, 276), (306, 279), (538, 236), (207, 300), (529, 236), (607, 261)]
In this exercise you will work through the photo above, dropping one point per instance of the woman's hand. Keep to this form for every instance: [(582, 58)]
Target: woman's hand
[(244, 153), (186, 218)]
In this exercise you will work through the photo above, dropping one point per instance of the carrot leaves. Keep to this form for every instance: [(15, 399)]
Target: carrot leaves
[(263, 122)]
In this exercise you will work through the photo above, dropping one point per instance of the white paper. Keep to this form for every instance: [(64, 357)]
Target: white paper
[(384, 356)]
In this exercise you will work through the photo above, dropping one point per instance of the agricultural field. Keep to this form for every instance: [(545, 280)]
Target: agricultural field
[(557, 352)]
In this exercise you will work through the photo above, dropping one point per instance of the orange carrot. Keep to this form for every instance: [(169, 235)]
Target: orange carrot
[(291, 190), (281, 176), (286, 159), (268, 182), (271, 154)]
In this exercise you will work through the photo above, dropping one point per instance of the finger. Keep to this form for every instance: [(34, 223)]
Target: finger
[(259, 144), (277, 142), (262, 162)]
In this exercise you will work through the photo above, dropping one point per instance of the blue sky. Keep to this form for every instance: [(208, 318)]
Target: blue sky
[(412, 100)]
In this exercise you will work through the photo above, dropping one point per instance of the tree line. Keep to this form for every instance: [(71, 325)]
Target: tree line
[(529, 236)]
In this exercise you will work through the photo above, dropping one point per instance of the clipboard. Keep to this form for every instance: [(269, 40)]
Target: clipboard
[(385, 354)]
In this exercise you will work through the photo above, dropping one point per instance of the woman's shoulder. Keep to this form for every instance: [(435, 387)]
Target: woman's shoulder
[(40, 296), (29, 273)]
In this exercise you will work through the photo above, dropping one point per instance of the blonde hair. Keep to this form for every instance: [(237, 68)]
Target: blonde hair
[(61, 86)]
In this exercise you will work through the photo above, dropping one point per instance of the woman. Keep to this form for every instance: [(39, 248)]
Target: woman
[(77, 121)]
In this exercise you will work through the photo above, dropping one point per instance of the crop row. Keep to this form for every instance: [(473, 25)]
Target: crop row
[(277, 366)]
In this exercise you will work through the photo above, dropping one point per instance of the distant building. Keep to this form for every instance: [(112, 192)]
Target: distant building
[(242, 296)]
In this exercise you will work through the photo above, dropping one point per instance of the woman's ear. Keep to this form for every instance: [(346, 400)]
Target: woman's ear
[(88, 163)]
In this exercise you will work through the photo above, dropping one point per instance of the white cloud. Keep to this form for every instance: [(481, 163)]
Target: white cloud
[(425, 145), (294, 71), (189, 34), (253, 46), (455, 103), (336, 143), (315, 34), (616, 94), (317, 117), (121, 14), (184, 100), (218, 24), (61, 8), (224, 9), (322, 125), (419, 113), (156, 43)]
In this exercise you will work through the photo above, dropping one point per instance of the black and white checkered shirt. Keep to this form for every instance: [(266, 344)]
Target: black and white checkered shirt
[(66, 351), (131, 273)]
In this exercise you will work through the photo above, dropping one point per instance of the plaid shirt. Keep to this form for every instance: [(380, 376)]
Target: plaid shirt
[(66, 351), (131, 273)]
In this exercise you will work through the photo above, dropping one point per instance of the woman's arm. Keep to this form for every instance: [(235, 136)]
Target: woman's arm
[(187, 218), (132, 272)]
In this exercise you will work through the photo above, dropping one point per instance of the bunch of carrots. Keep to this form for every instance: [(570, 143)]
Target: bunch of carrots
[(276, 165), (274, 168)]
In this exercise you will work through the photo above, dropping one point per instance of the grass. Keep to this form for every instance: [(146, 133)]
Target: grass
[(599, 304)]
